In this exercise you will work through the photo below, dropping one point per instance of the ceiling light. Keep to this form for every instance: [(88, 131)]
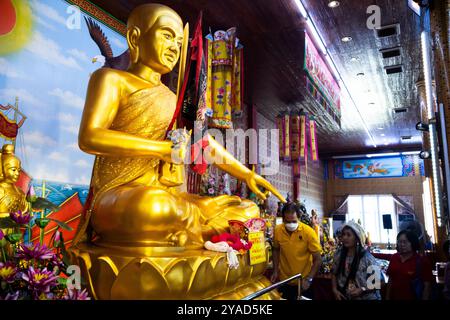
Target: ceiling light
[(354, 59), (382, 134), (346, 39), (316, 35), (333, 4), (380, 128)]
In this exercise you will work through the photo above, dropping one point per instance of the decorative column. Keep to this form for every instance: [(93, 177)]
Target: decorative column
[(440, 33), (420, 86)]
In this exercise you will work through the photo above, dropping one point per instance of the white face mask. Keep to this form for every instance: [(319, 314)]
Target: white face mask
[(291, 226)]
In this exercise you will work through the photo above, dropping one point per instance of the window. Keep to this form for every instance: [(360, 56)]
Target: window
[(369, 211)]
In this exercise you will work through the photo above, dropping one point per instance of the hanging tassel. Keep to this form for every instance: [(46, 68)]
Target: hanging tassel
[(313, 139), (280, 128), (303, 146), (287, 141)]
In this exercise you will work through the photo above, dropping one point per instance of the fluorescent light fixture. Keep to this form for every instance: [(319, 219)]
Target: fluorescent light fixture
[(349, 156), (414, 6), (372, 155), (302, 9), (332, 66), (406, 153), (317, 37)]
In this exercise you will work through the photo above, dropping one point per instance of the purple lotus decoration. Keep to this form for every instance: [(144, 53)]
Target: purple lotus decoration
[(35, 251), (20, 217), (39, 281), (7, 272), (76, 295)]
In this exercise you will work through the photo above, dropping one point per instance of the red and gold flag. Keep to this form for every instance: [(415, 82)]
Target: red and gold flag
[(8, 128)]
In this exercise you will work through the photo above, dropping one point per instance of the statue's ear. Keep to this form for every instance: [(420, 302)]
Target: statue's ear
[(133, 35)]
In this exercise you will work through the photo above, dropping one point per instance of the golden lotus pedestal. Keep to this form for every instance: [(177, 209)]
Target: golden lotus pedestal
[(160, 273)]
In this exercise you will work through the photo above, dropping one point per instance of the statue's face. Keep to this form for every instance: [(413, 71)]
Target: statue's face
[(11, 170), (160, 46)]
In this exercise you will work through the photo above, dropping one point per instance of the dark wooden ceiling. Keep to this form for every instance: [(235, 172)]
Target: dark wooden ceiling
[(271, 30)]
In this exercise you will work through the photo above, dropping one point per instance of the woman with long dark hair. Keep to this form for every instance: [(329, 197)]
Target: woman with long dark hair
[(355, 274), (410, 274)]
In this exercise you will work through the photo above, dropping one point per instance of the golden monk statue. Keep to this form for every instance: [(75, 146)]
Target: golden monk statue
[(12, 198), (132, 211)]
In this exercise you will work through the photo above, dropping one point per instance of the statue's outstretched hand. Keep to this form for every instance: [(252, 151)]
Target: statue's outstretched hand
[(254, 181), (180, 141)]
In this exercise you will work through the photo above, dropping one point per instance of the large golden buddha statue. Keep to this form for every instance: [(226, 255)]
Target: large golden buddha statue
[(12, 198), (132, 212)]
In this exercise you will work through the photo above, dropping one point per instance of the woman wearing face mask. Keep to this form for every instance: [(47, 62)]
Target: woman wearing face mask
[(296, 249), (410, 274), (355, 272)]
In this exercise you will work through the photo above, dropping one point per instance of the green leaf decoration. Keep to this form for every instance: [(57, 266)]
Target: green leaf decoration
[(13, 237), (3, 242), (7, 222), (61, 224), (42, 222), (42, 203), (62, 281), (32, 199)]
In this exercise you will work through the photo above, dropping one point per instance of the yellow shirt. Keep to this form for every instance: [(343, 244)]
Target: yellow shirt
[(296, 249)]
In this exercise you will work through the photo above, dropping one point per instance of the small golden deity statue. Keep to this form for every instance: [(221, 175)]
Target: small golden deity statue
[(12, 198), (142, 237)]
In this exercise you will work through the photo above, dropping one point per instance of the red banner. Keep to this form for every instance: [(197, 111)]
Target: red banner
[(280, 136), (303, 144), (295, 136), (8, 128)]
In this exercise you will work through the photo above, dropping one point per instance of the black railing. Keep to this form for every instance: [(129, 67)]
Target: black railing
[(275, 286)]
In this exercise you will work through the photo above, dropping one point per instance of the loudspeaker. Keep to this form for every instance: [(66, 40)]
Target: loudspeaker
[(387, 221)]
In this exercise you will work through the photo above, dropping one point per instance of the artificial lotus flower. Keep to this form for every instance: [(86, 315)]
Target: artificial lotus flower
[(39, 281), (9, 296), (8, 272), (31, 194), (76, 294), (20, 218), (57, 239), (34, 251)]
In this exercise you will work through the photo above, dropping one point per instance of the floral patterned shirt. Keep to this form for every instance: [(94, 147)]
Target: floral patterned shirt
[(367, 275)]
